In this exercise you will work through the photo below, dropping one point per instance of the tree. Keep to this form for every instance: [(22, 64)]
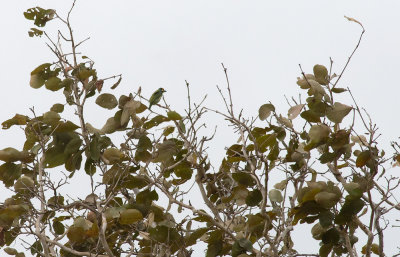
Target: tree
[(332, 175)]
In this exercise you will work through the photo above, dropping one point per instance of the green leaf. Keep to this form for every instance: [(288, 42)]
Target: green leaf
[(327, 157), (191, 240), (112, 155), (165, 151), (55, 156), (340, 139), (164, 234), (266, 141), (354, 189), (338, 90), (155, 122), (104, 142), (10, 154), (275, 195), (18, 119), (36, 81), (58, 227), (234, 150), (172, 115), (319, 133), (255, 223), (254, 198), (10, 251), (321, 74), (57, 108), (325, 249), (243, 178), (66, 126), (202, 218), (36, 248), (107, 101), (81, 222), (350, 207), (338, 112), (39, 15), (94, 148), (183, 170), (274, 153), (132, 182), (143, 156), (265, 111), (73, 146), (9, 172), (73, 163), (241, 246), (76, 234), (307, 194), (55, 200), (182, 127), (168, 130), (281, 185), (130, 216), (239, 193), (10, 235), (84, 73), (214, 249), (113, 213), (326, 218), (41, 68), (53, 84), (110, 127), (146, 197), (30, 143), (51, 118), (319, 108), (363, 158), (310, 116), (245, 244), (90, 167), (24, 184), (332, 236), (144, 144), (375, 248), (67, 83), (326, 199), (35, 32)]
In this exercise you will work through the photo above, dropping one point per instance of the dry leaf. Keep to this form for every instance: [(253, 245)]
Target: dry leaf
[(285, 121), (359, 139), (99, 85), (354, 20), (294, 111)]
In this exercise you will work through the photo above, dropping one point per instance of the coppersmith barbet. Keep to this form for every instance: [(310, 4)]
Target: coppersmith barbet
[(156, 97)]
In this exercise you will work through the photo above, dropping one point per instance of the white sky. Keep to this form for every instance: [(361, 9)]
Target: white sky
[(162, 43)]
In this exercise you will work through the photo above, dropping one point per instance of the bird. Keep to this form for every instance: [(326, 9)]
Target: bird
[(156, 97)]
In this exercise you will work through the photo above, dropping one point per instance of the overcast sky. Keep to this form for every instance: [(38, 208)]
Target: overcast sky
[(163, 43)]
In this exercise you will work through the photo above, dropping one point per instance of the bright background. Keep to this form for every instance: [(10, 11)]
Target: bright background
[(163, 43)]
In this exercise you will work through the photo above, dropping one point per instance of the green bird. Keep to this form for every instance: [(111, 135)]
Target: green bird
[(156, 97)]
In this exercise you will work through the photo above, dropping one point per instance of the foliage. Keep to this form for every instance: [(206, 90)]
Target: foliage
[(330, 172)]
